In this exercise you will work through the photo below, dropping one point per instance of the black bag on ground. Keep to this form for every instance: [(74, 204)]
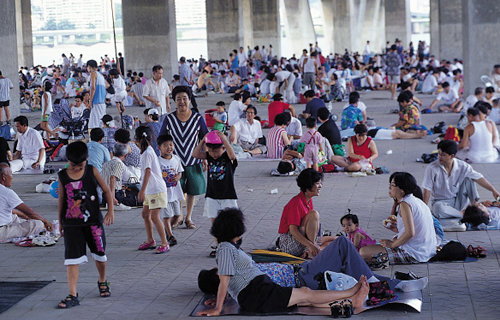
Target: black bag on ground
[(128, 195), (439, 127), (452, 251), (429, 157)]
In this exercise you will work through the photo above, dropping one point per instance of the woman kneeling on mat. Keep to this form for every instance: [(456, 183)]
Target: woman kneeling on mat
[(254, 291)]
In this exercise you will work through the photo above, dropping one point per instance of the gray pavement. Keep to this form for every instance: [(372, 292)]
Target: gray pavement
[(149, 286)]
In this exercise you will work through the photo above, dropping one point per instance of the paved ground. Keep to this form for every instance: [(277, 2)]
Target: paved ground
[(149, 286)]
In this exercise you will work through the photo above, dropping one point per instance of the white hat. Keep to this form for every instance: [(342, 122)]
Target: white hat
[(152, 111)]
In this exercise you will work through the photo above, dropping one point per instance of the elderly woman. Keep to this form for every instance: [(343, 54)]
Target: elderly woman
[(299, 225), (362, 151), (277, 137), (415, 241)]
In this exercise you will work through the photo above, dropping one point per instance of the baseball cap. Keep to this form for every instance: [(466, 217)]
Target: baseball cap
[(152, 111)]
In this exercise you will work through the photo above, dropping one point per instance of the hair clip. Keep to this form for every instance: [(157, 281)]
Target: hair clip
[(144, 134)]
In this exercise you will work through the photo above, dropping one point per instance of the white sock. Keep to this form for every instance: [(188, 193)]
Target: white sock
[(372, 279), (412, 285)]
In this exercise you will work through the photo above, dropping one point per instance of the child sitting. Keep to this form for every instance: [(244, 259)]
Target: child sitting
[(350, 225), (220, 117), (171, 169), (312, 139), (222, 162), (81, 220)]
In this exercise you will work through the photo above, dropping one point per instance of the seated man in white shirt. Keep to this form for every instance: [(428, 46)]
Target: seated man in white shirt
[(449, 98), (293, 127), (430, 83), (450, 183), (77, 108), (247, 133), (30, 150), (16, 218)]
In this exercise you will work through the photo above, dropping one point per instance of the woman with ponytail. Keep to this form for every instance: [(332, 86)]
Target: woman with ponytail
[(153, 191), (415, 241)]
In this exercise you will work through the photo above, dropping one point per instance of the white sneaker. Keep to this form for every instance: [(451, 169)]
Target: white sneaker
[(122, 207)]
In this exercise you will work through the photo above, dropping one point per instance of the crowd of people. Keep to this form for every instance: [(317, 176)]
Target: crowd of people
[(173, 147)]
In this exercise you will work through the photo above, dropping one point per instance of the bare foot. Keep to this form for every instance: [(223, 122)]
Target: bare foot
[(360, 296), (422, 133)]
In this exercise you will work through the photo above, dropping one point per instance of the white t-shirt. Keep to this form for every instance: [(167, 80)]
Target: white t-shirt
[(119, 85), (49, 103), (158, 91), (449, 97), (149, 159), (242, 59), (30, 143), (470, 102), (8, 201), (234, 112), (282, 75), (430, 83), (248, 132), (170, 168), (377, 79), (5, 87)]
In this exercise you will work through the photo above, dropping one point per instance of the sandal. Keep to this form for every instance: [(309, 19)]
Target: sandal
[(341, 308), (476, 252), (190, 224), (178, 222), (171, 241), (162, 249), (147, 245), (379, 261), (68, 302), (103, 289)]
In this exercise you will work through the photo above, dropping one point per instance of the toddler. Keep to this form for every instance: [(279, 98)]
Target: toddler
[(220, 117), (81, 221), (221, 194), (350, 225), (313, 145), (153, 191), (171, 169)]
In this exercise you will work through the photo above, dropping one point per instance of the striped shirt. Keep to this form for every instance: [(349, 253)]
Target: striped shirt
[(275, 143), (237, 264), (186, 135)]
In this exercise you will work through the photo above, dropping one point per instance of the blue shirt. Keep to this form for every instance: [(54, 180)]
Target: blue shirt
[(98, 154), (313, 106), (350, 115)]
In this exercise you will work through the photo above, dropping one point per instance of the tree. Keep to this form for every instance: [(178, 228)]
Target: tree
[(65, 25), (50, 25)]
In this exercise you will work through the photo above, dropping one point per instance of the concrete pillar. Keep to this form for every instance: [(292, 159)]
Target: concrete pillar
[(328, 13), (446, 29), (398, 21), (481, 40), (299, 26), (344, 25), (149, 36), (373, 26), (229, 26), (8, 52), (24, 33), (266, 24)]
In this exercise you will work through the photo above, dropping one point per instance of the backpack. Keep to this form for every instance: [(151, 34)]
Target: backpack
[(452, 134)]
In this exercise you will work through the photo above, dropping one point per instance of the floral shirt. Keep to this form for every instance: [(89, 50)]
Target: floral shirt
[(280, 273), (411, 115), (350, 115)]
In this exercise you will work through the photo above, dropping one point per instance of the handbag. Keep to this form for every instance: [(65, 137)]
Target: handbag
[(129, 193)]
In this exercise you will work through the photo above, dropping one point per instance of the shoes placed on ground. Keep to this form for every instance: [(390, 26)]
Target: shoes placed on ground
[(147, 245), (122, 207), (162, 249), (405, 276), (371, 172)]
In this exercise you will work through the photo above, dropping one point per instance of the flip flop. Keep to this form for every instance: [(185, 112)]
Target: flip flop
[(25, 243)]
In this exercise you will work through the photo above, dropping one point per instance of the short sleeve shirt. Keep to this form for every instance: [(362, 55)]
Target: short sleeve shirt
[(449, 97), (293, 213), (8, 201), (275, 108), (444, 187), (30, 143), (169, 169), (350, 115), (313, 106), (220, 177), (113, 168), (411, 115), (248, 132), (149, 159), (98, 155)]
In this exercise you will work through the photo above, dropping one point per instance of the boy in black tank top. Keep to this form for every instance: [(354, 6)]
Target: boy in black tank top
[(81, 220)]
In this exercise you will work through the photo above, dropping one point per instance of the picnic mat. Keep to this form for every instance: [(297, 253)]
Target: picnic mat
[(411, 299), (13, 292)]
